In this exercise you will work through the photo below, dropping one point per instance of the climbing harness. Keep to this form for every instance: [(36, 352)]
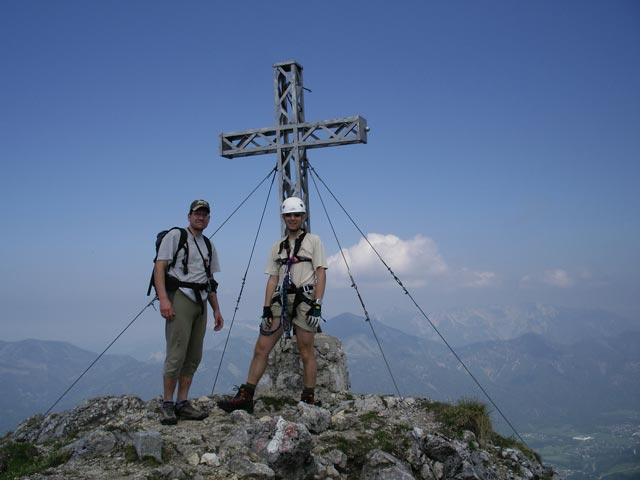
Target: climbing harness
[(287, 287), (211, 285)]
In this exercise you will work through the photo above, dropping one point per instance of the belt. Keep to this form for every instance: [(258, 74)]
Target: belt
[(302, 289)]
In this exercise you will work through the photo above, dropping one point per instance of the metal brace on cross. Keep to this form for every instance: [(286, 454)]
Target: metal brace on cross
[(292, 136)]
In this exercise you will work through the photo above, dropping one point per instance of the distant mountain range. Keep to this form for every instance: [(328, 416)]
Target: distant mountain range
[(35, 373), (531, 379), (523, 358), (466, 326)]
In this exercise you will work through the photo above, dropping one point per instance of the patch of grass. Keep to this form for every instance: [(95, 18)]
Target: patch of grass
[(384, 441), (18, 459), (510, 442), (389, 438), (403, 427), (473, 415), (33, 421), (149, 461), (466, 414), (370, 418), (355, 449), (130, 453)]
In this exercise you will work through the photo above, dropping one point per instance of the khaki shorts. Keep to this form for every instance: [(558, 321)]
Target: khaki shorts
[(301, 313)]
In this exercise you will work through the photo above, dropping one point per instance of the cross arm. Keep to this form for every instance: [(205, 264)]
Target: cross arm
[(325, 133)]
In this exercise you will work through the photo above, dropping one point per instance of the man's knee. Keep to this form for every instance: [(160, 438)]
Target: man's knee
[(307, 351), (189, 368), (263, 347), (307, 357)]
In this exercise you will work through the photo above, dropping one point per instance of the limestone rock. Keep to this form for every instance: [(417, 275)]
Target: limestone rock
[(286, 447), (381, 465), (284, 370), (351, 436)]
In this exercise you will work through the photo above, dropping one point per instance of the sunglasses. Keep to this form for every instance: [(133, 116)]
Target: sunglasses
[(297, 215)]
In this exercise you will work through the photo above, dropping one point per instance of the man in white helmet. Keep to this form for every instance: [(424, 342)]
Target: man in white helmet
[(293, 298)]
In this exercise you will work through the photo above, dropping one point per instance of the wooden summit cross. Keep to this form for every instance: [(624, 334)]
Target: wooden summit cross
[(292, 136)]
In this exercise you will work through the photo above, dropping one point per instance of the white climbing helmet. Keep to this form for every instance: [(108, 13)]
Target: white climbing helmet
[(293, 205)]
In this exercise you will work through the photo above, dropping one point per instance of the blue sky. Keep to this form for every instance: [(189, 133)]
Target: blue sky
[(501, 167)]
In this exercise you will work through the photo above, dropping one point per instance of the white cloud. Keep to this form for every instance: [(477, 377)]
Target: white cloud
[(526, 281), (156, 357), (557, 278), (416, 262), (413, 261), (472, 279)]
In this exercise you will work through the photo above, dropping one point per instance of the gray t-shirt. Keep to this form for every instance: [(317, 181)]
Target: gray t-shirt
[(196, 264)]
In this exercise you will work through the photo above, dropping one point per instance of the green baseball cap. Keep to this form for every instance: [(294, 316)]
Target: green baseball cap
[(198, 204)]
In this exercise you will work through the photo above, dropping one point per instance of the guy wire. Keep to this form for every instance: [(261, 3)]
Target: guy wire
[(420, 309), (271, 172), (244, 279), (99, 356), (355, 286)]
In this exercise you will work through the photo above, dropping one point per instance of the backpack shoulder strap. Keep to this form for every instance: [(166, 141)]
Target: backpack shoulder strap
[(182, 243), (209, 247), (183, 238), (210, 250)]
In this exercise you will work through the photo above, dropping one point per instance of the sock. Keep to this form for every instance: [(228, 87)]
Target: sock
[(250, 387), (309, 390)]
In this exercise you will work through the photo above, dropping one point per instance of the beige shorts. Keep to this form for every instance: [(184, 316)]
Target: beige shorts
[(301, 313)]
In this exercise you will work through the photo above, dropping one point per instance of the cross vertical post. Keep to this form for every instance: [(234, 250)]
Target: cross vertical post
[(292, 136), (289, 111)]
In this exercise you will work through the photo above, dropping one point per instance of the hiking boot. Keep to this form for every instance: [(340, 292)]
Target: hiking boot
[(186, 411), (309, 398), (242, 401), (168, 414)]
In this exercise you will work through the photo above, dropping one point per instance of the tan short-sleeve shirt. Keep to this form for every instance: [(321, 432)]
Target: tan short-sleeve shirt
[(302, 273)]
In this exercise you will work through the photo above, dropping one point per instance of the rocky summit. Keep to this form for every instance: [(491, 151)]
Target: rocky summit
[(349, 436)]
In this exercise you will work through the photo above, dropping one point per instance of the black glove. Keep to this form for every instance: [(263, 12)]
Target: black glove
[(267, 318), (315, 314)]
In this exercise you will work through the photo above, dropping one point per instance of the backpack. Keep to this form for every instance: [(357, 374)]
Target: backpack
[(182, 243)]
